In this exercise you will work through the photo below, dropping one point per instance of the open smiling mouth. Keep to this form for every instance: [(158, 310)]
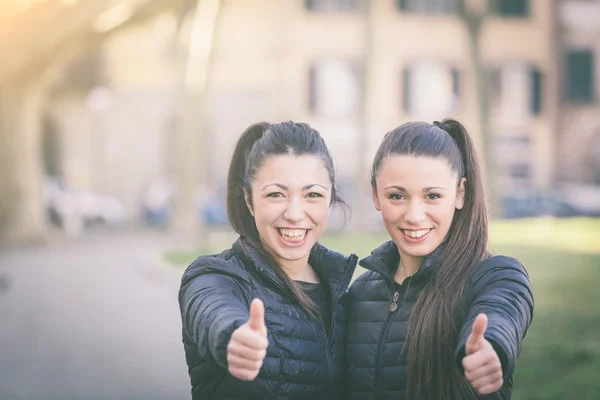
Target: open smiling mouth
[(292, 235), (416, 235)]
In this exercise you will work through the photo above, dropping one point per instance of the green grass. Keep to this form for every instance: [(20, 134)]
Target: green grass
[(561, 353)]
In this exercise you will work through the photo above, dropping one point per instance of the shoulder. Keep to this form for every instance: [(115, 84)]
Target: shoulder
[(226, 264), (500, 272), (500, 264)]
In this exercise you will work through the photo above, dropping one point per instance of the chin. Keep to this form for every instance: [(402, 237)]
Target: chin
[(417, 251), (295, 254)]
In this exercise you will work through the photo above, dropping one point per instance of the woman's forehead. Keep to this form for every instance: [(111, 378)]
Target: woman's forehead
[(416, 170), (291, 170)]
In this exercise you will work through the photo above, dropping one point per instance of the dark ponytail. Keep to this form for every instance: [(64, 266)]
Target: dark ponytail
[(239, 215), (258, 142), (439, 312)]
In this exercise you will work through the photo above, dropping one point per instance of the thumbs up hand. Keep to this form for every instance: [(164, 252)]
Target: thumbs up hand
[(247, 347), (482, 365)]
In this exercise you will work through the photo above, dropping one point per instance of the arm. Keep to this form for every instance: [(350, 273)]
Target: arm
[(500, 289), (213, 305)]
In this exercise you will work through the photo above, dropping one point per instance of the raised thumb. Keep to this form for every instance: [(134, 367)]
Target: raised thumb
[(477, 331), (257, 316)]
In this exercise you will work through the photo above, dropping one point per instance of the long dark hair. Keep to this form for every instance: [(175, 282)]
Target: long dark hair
[(257, 143), (439, 312)]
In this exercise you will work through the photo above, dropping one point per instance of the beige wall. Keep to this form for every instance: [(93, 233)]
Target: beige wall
[(580, 124), (272, 45), (260, 67)]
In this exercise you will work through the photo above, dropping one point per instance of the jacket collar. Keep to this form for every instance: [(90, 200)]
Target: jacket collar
[(385, 260), (332, 267)]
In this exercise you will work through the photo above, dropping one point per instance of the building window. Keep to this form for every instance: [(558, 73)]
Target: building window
[(334, 6), (515, 91), (430, 89), (335, 88), (579, 79), (513, 155), (511, 8), (427, 6), (535, 97)]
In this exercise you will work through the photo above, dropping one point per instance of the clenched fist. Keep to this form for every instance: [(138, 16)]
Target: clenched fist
[(482, 365), (248, 345)]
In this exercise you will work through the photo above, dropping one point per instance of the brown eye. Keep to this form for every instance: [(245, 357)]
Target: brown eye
[(396, 196), (433, 196)]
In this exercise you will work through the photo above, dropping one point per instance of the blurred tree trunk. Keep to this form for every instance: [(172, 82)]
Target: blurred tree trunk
[(191, 152), (22, 218), (473, 14)]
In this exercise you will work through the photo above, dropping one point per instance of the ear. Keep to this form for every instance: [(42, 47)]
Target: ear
[(375, 198), (248, 201), (460, 195)]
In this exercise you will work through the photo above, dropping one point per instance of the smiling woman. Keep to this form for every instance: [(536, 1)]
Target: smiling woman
[(264, 319), (435, 316), (290, 205)]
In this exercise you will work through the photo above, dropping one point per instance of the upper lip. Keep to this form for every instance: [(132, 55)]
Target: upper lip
[(419, 229), (293, 229)]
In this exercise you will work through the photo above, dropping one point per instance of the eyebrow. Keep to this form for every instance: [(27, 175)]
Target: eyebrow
[(425, 189), (284, 187)]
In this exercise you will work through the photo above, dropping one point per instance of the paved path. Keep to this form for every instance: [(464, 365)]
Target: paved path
[(96, 319)]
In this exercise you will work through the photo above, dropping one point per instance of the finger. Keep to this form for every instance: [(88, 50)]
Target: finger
[(250, 338), (235, 361), (486, 355), (490, 369), (257, 317), (476, 336), (487, 380), (243, 374), (246, 352), (492, 387)]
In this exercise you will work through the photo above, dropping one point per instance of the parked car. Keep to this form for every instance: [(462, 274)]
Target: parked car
[(567, 199), (92, 208)]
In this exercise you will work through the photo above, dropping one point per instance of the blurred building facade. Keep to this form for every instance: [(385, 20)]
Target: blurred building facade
[(353, 69), (579, 117)]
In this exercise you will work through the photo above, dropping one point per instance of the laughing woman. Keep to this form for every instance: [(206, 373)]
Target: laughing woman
[(436, 316), (264, 320)]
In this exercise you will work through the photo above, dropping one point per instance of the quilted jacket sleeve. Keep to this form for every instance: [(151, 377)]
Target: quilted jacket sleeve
[(213, 305), (500, 288)]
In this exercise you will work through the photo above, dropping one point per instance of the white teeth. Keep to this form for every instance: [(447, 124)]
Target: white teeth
[(293, 235), (416, 234)]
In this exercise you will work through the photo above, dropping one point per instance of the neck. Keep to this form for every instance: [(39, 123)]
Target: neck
[(408, 266), (299, 270)]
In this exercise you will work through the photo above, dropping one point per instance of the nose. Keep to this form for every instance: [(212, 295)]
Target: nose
[(294, 211), (415, 213)]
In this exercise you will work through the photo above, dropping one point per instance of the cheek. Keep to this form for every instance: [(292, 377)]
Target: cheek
[(320, 212), (390, 212), (266, 212), (444, 215)]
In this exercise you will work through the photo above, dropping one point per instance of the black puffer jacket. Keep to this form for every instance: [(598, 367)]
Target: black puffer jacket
[(498, 287), (302, 362)]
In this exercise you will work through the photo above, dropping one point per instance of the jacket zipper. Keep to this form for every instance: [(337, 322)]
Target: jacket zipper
[(393, 306), (328, 340), (329, 355)]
